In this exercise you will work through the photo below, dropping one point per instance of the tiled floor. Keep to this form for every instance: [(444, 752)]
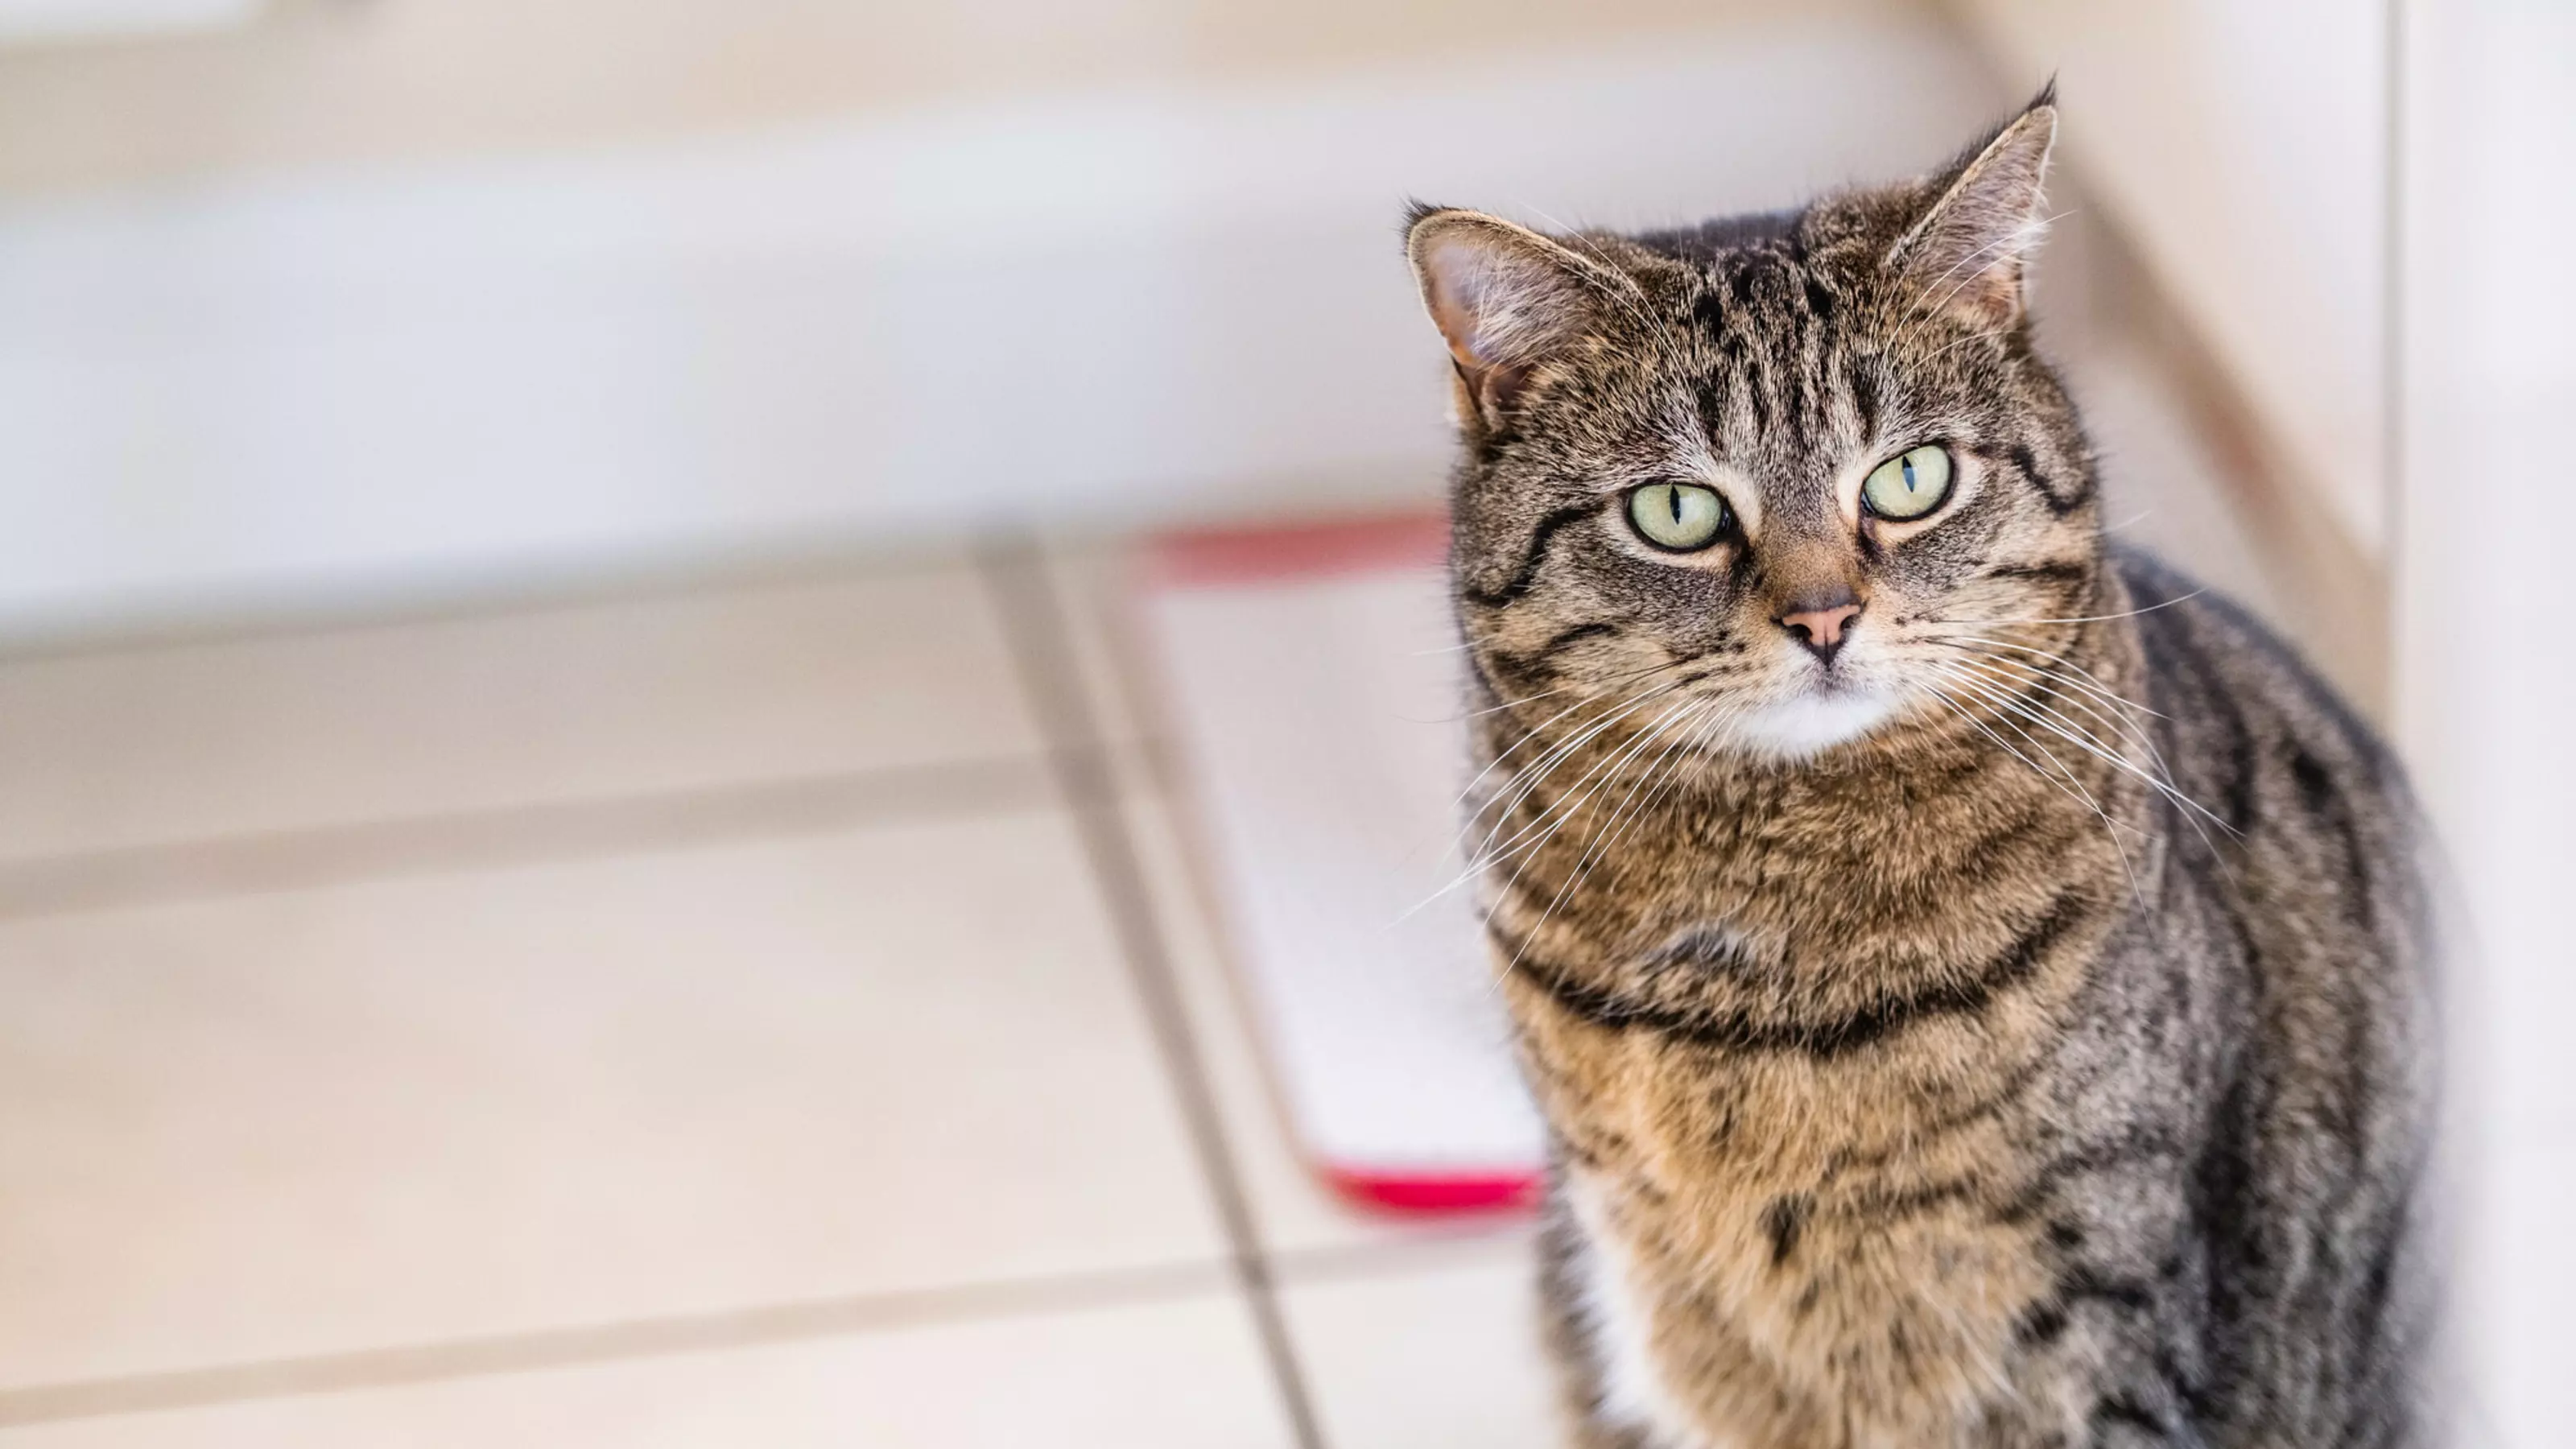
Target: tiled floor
[(774, 1013)]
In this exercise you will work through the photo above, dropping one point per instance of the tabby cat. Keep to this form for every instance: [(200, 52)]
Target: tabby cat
[(1975, 981)]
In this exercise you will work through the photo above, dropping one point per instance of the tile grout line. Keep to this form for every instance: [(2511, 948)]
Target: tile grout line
[(557, 1348), (503, 836), (1504, 1242), (1014, 572), (256, 619), (756, 1326)]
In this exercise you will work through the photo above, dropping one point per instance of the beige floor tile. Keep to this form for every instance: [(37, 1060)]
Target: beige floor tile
[(1293, 1211), (145, 745), (1164, 1376), (408, 1110), (1095, 578), (1447, 1353)]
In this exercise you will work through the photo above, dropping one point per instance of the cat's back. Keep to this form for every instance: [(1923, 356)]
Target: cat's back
[(2291, 819), (2279, 771), (2312, 1175)]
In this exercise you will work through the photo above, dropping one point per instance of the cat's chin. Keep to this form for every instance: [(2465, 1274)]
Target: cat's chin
[(1809, 724)]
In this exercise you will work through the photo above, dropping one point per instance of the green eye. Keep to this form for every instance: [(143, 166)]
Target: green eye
[(1681, 517), (1909, 485)]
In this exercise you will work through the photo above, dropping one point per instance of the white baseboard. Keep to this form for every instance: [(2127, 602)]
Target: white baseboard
[(1069, 310)]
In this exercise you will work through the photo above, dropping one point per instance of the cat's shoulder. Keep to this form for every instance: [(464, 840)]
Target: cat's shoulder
[(2236, 699), (2199, 639)]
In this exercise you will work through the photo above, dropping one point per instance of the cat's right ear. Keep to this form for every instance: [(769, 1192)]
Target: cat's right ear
[(1506, 298)]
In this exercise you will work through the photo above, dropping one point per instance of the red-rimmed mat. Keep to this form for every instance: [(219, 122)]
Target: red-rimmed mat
[(1310, 675)]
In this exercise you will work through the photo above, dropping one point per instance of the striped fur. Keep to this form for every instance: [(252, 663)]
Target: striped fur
[(2013, 1031)]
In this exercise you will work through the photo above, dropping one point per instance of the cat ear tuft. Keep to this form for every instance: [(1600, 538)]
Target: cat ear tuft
[(1967, 253), (1505, 298)]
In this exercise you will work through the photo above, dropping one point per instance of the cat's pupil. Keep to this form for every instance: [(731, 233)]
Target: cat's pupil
[(1675, 495), (1908, 465)]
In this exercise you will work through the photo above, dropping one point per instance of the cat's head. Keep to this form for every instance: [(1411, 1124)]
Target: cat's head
[(1754, 473)]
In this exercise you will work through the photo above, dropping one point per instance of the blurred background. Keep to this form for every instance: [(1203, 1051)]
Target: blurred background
[(594, 844)]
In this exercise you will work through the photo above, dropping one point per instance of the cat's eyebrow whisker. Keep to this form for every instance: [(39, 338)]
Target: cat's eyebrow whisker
[(2019, 236), (1627, 292), (2023, 236), (1945, 349)]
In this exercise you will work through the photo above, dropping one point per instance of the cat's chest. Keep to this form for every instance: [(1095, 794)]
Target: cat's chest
[(1768, 1316), (1776, 1230)]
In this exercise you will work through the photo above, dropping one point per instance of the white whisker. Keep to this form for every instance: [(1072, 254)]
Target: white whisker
[(2091, 682), (2087, 619), (2066, 780), (1620, 819), (2058, 724)]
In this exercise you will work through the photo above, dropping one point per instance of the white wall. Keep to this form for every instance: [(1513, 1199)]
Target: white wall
[(355, 84), (1072, 307), (2487, 649), (2240, 143)]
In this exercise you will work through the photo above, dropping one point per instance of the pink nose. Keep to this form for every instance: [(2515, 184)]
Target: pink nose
[(1821, 630)]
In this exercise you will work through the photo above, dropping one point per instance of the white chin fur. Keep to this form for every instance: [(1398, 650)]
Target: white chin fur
[(1810, 724)]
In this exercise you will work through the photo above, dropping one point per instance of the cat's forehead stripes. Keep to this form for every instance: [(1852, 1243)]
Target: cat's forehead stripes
[(1775, 389)]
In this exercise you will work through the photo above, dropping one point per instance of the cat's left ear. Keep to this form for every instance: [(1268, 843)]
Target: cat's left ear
[(1966, 254), (1507, 300)]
